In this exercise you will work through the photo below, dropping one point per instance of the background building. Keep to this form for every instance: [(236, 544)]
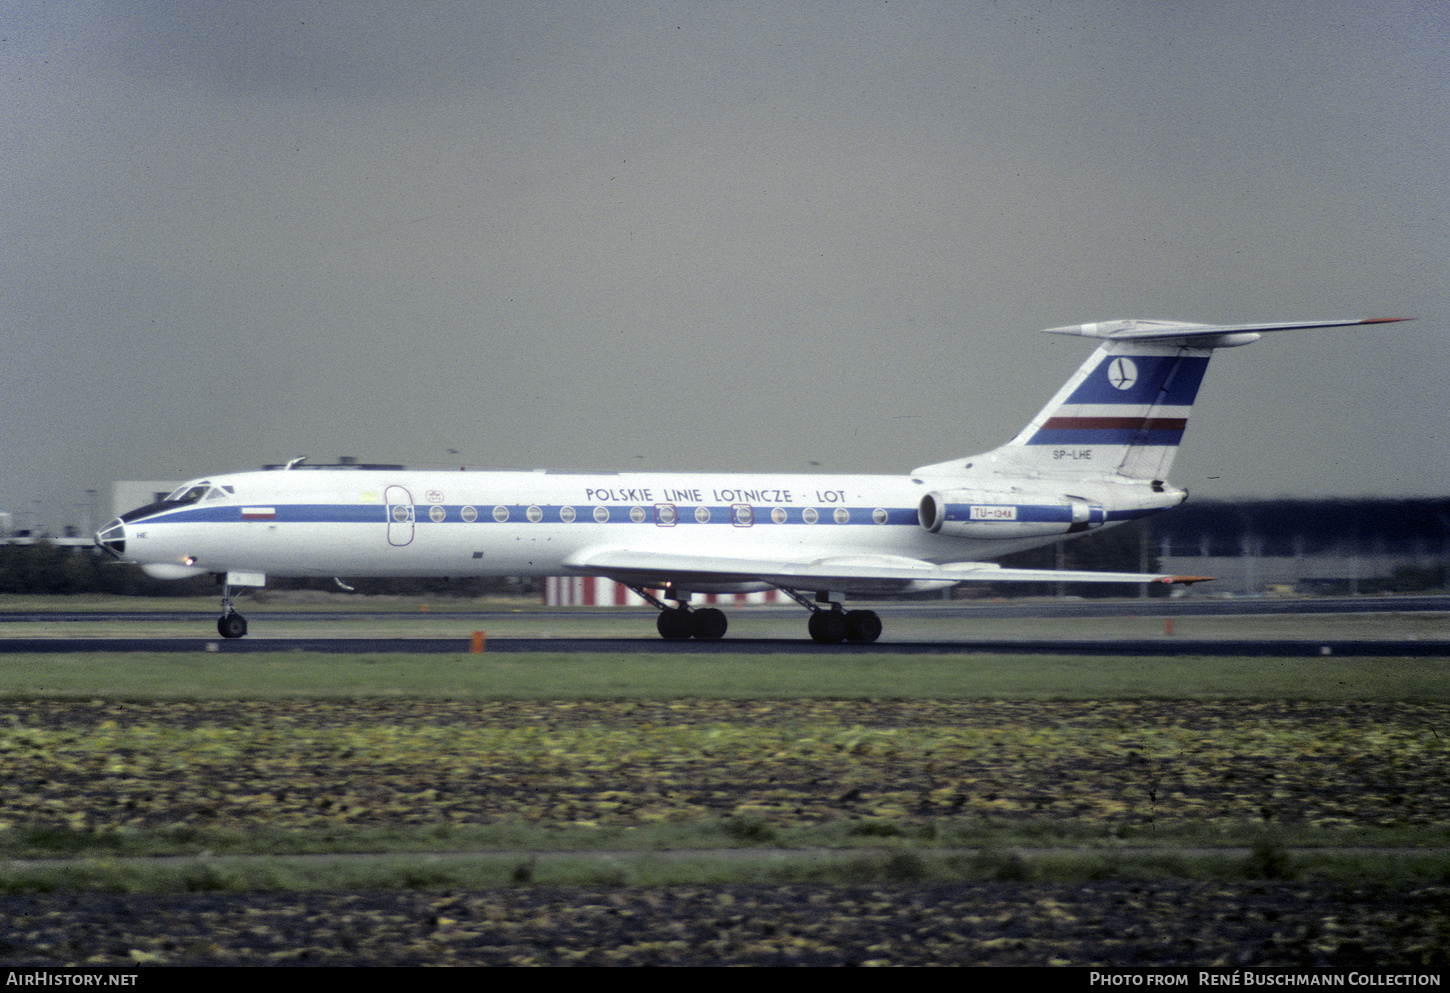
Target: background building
[(1344, 546), (595, 591)]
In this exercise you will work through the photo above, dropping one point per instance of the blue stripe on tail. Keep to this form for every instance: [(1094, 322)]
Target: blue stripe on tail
[(1140, 379), (1116, 385)]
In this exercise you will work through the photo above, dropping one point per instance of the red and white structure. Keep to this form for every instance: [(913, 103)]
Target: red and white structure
[(596, 591)]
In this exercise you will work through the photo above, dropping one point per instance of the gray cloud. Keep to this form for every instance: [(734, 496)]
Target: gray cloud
[(726, 236)]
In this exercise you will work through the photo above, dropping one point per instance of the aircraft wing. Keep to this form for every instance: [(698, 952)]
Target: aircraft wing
[(846, 574)]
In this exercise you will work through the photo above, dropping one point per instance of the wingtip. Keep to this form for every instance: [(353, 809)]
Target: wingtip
[(1187, 580), (1384, 320)]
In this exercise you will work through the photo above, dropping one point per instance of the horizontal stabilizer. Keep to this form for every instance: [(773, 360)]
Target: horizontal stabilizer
[(1200, 334)]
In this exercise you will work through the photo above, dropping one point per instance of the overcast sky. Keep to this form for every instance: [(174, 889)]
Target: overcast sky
[(709, 236)]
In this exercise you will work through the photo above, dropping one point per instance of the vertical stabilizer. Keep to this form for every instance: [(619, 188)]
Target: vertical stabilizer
[(1122, 414)]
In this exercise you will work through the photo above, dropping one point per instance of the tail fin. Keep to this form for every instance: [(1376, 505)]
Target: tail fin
[(1123, 413)]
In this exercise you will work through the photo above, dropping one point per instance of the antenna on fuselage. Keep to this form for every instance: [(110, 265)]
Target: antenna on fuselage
[(300, 458)]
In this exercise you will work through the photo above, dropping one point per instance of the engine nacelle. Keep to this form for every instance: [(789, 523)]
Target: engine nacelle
[(977, 514)]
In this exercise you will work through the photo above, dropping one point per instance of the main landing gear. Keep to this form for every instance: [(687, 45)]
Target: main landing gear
[(836, 625), (833, 624), (231, 624), (680, 623)]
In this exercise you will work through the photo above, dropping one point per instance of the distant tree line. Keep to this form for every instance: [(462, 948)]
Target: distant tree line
[(1118, 549), (1409, 527), (1308, 527), (46, 568)]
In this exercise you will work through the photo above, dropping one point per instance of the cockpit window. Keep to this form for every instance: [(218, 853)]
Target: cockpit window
[(188, 494)]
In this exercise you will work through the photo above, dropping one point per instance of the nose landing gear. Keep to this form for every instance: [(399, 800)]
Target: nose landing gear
[(231, 624)]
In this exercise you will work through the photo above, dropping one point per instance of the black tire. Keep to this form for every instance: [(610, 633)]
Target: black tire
[(827, 626), (710, 624), (232, 626), (863, 626), (675, 624)]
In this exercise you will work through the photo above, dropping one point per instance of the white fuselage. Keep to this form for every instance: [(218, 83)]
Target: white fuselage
[(353, 523)]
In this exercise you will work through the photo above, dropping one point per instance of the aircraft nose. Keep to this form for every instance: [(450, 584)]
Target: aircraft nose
[(112, 538)]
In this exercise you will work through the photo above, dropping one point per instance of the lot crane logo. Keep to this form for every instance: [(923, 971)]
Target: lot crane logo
[(1122, 373)]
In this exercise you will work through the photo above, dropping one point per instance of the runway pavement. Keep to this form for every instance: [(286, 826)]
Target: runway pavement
[(14, 641), (752, 646), (966, 609)]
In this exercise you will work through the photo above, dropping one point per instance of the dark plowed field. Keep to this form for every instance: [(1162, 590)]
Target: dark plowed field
[(305, 764), (1159, 923), (104, 766)]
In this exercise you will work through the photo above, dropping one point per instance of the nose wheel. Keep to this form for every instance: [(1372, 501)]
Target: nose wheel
[(231, 624)]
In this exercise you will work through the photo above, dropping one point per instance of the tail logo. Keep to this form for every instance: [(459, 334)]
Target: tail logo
[(1122, 373)]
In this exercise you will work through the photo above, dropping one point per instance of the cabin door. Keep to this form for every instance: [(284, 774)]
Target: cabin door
[(400, 515)]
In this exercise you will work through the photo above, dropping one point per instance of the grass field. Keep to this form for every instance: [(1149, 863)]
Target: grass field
[(1067, 788), (725, 675)]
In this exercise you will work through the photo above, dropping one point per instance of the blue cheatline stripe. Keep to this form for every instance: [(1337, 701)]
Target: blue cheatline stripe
[(1026, 513), (294, 513), (684, 514), (321, 513), (1181, 376), (318, 513), (1105, 436)]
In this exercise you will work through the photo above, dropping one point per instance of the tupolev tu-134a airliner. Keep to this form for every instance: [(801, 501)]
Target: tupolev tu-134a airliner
[(1097, 455)]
